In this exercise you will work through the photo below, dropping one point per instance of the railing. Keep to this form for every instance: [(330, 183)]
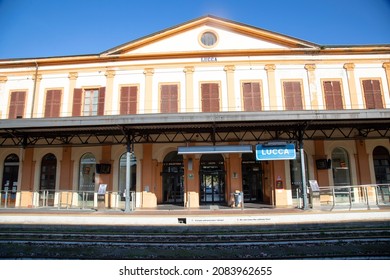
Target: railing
[(368, 195), (65, 199)]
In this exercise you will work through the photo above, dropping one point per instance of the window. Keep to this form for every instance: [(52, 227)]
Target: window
[(169, 99), (128, 100), (292, 95), (333, 97), (53, 103), (88, 102), (372, 94), (16, 105), (210, 97), (87, 172), (251, 96), (341, 168), (48, 172), (208, 39)]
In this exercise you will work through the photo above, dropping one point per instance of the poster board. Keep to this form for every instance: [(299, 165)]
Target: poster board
[(314, 185)]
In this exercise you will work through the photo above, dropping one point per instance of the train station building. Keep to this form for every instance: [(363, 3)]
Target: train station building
[(194, 115)]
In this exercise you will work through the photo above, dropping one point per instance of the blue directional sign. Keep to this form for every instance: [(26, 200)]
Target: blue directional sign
[(277, 152)]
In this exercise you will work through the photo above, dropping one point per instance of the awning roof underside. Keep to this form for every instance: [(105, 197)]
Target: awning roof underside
[(223, 127)]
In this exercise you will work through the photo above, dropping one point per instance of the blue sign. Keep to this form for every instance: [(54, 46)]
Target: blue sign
[(279, 152)]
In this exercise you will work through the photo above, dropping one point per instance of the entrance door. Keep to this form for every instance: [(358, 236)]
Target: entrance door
[(212, 179), (252, 178), (48, 180), (173, 179), (10, 180)]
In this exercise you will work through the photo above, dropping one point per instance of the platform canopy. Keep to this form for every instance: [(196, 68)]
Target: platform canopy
[(221, 127)]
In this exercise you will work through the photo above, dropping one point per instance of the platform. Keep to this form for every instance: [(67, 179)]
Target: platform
[(170, 215)]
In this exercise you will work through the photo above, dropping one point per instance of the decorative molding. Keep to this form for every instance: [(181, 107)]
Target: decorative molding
[(349, 66), (310, 67), (39, 77), (73, 75), (270, 67), (110, 74), (189, 69), (149, 71), (229, 68), (386, 65)]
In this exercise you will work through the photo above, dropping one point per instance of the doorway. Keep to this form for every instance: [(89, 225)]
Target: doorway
[(252, 178), (173, 179), (212, 179)]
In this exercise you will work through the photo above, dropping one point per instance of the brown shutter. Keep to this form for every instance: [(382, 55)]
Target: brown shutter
[(214, 97), (251, 96), (77, 96), (333, 98), (124, 100), (292, 95), (164, 105), (101, 98), (128, 100), (174, 99), (17, 102), (53, 103), (205, 88), (372, 94)]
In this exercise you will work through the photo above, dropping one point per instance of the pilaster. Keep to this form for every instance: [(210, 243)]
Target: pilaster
[(386, 65), (349, 67), (311, 76), (149, 72), (37, 83), (110, 74), (189, 72), (72, 85), (229, 69), (270, 68)]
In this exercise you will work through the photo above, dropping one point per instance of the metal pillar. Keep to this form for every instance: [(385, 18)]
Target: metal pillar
[(303, 175), (128, 178)]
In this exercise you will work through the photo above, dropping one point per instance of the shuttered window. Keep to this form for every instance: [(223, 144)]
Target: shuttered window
[(292, 95), (333, 97), (128, 100), (53, 103), (169, 99), (89, 102), (17, 104), (210, 97), (251, 96), (372, 94)]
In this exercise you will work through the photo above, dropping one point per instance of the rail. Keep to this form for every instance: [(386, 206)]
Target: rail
[(370, 194), (65, 199)]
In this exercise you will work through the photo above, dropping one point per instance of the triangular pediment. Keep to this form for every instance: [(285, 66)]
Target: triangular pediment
[(230, 37)]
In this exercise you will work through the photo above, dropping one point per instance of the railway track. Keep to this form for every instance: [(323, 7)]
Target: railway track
[(62, 243)]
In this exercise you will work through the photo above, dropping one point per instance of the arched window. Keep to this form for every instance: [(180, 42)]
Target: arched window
[(122, 173), (48, 172), (87, 172), (341, 167), (381, 159), (10, 180)]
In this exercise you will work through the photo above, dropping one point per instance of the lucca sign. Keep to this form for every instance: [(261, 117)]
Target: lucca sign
[(277, 152)]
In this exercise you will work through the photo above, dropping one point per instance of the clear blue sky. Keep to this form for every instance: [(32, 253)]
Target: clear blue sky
[(46, 28)]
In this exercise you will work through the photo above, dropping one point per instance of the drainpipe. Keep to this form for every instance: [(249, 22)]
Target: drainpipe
[(34, 89)]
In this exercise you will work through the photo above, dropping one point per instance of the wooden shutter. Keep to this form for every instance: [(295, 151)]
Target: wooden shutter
[(128, 100), (101, 98), (77, 101), (251, 96), (169, 99), (333, 98), (17, 103), (372, 94), (292, 95), (53, 103), (210, 97)]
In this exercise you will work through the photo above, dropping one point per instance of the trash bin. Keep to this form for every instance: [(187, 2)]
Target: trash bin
[(237, 198)]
